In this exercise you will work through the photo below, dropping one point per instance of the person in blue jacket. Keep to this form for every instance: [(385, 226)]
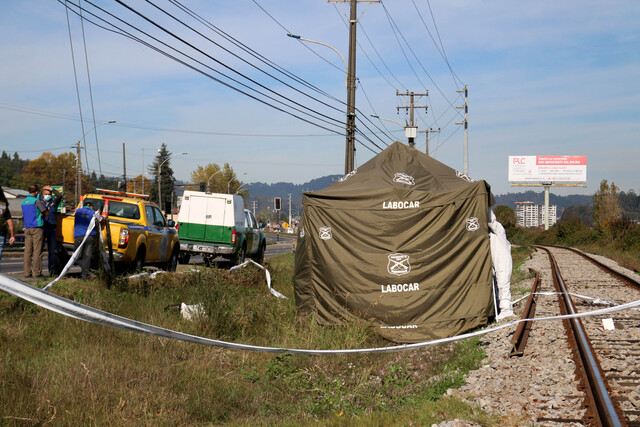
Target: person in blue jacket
[(33, 211), (83, 218), (51, 198)]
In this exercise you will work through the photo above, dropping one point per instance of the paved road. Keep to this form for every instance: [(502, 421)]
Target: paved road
[(12, 263)]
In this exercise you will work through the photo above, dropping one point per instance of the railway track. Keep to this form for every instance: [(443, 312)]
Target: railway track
[(607, 359), (548, 383)]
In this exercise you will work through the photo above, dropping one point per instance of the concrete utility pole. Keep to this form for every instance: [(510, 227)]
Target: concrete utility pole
[(349, 160), (289, 209), (426, 132), (411, 128), (465, 122), (78, 173), (124, 167)]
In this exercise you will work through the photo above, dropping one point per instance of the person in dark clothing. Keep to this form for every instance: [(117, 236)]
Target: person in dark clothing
[(51, 199), (83, 218), (6, 223)]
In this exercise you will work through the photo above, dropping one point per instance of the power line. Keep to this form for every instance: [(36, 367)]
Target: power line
[(75, 75), (160, 129), (93, 111), (121, 31), (172, 34)]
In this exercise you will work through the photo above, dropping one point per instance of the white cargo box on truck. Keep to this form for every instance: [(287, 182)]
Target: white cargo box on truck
[(215, 224)]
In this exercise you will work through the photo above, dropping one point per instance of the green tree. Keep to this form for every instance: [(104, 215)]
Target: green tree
[(134, 185), (11, 170), (166, 178), (505, 216), (605, 207), (217, 179), (49, 169), (583, 213)]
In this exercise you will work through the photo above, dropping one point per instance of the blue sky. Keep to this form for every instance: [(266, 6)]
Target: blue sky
[(544, 78)]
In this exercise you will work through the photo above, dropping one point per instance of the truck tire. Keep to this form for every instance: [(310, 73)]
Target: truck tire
[(259, 256), (184, 257), (138, 263), (239, 257), (172, 264)]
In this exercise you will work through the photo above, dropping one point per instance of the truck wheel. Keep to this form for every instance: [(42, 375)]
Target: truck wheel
[(259, 256), (184, 257), (172, 264), (239, 258), (139, 261)]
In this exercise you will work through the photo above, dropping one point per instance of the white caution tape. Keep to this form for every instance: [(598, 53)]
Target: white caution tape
[(267, 274), (83, 312), (584, 297), (75, 254)]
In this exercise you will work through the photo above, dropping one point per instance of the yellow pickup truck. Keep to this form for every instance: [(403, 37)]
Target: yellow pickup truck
[(140, 234)]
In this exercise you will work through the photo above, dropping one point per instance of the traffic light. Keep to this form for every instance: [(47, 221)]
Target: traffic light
[(276, 203), (202, 188)]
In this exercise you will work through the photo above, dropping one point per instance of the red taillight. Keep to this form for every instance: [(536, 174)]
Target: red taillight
[(124, 238), (178, 226), (233, 236)]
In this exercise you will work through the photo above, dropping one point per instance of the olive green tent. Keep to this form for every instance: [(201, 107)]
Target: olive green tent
[(403, 243)]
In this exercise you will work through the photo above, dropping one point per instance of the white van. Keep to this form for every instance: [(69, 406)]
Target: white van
[(215, 224)]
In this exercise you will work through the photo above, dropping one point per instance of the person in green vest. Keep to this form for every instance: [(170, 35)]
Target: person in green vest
[(33, 211), (6, 223)]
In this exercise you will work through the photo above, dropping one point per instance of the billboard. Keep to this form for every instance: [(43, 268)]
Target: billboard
[(547, 168)]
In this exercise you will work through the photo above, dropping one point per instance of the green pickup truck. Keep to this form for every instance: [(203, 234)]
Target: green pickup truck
[(217, 225)]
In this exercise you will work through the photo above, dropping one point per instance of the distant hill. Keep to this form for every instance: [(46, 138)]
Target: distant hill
[(264, 193)]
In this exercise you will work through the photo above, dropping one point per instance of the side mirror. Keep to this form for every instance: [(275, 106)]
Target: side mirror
[(172, 223), (261, 225)]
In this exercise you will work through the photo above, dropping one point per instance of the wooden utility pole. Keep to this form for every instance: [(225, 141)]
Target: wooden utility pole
[(411, 128), (349, 160), (426, 132)]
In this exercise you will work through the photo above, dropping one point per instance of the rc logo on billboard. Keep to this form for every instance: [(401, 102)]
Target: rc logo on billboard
[(472, 223), (325, 233), (398, 264), (403, 178)]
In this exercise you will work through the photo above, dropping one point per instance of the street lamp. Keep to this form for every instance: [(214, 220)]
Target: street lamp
[(214, 174), (351, 89), (159, 180), (238, 190), (229, 183), (79, 162), (142, 175), (296, 36)]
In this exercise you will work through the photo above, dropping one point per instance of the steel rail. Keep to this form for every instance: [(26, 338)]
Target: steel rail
[(604, 411), (521, 335), (624, 278)]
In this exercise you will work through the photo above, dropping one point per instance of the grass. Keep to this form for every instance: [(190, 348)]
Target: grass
[(55, 369)]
